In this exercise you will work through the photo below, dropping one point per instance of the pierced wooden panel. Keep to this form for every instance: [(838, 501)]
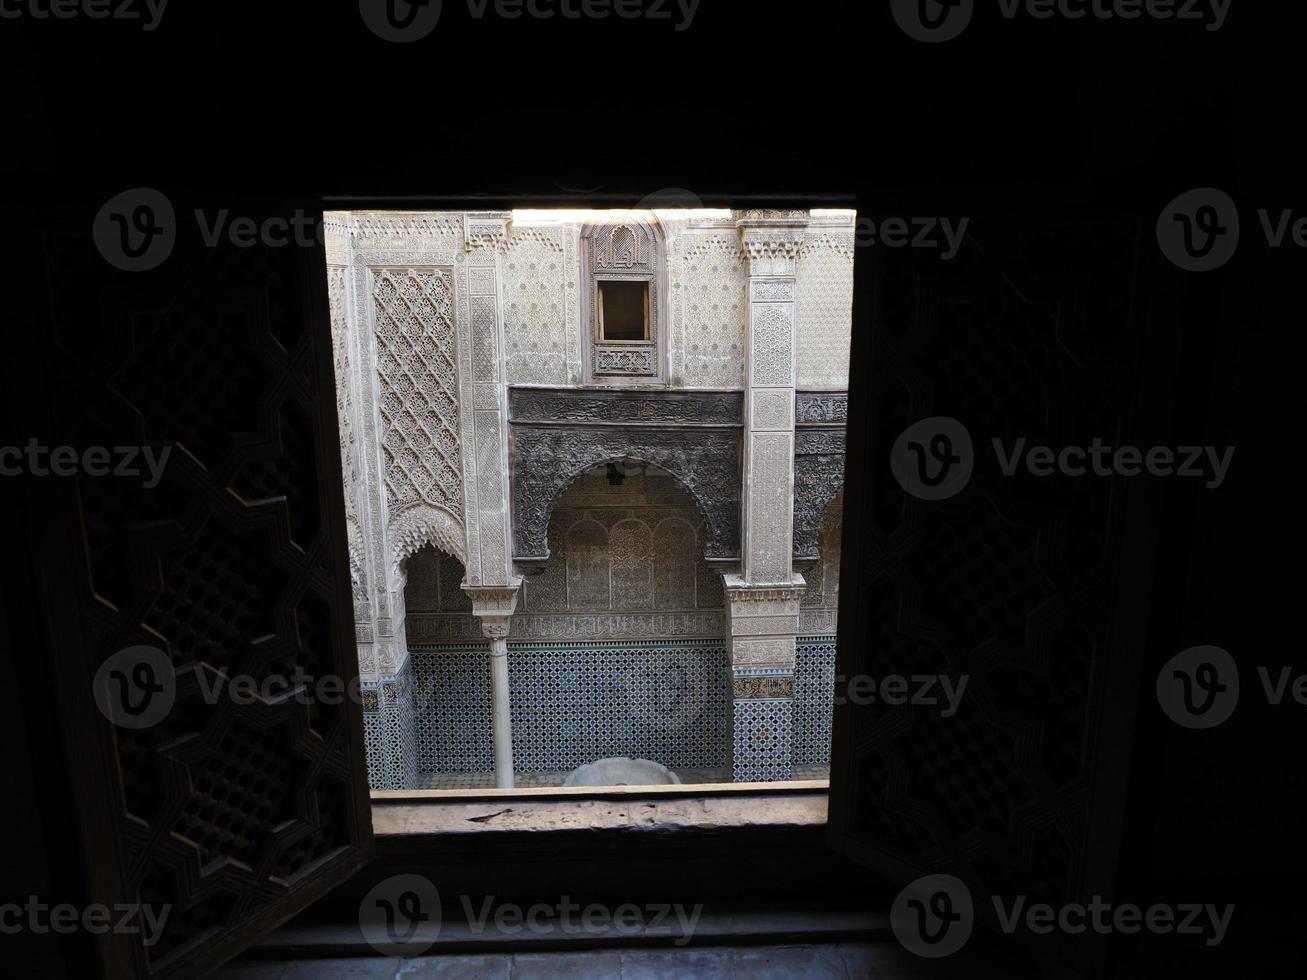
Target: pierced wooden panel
[(235, 815), (1025, 584)]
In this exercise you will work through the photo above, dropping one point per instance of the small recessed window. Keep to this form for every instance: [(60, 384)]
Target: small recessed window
[(623, 310)]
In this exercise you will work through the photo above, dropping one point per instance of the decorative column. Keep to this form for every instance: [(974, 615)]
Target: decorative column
[(494, 606), (385, 685), (489, 581), (762, 602)]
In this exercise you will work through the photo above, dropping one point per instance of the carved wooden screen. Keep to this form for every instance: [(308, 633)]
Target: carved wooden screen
[(626, 251), (234, 812), (1033, 587)]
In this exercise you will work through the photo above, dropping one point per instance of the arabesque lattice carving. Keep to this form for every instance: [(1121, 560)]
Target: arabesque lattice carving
[(418, 377)]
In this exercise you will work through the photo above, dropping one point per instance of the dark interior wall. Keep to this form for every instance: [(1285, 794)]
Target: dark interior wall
[(259, 99)]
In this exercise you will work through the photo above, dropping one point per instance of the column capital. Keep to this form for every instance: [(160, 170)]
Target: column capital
[(494, 606), (494, 600)]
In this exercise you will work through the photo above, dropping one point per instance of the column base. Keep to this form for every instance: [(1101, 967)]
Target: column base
[(763, 622)]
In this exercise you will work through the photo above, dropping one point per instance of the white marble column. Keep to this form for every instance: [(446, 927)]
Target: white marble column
[(494, 606)]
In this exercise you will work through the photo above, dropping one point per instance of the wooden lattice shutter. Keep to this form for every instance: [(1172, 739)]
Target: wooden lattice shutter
[(1035, 587), (235, 815)]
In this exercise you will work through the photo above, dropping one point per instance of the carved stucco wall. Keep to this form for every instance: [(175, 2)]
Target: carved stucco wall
[(541, 302), (825, 307), (337, 285), (708, 278)]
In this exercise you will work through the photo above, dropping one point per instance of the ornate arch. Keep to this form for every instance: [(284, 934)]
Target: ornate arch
[(548, 461), (420, 525), (558, 435)]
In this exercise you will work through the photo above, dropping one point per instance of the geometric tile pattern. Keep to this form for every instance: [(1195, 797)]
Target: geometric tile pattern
[(814, 689), (763, 740), (452, 709), (577, 702), (388, 730)]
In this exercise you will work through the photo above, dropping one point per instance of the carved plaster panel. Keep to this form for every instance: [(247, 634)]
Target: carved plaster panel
[(536, 301), (708, 283), (825, 308)]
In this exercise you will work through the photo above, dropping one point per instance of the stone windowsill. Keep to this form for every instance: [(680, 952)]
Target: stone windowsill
[(704, 806)]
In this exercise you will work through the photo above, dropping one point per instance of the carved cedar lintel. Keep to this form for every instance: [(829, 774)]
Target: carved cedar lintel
[(818, 463)]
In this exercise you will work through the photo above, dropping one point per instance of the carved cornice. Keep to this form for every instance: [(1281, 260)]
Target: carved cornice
[(486, 229), (571, 407), (767, 244), (737, 590), (772, 217), (768, 237)]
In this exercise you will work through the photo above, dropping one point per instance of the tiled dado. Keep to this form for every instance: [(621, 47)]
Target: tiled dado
[(814, 690), (763, 740), (665, 700), (389, 730), (670, 701), (573, 703)]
